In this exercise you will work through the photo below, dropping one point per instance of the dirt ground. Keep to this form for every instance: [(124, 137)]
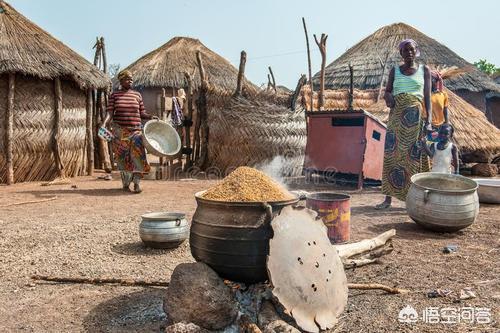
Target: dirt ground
[(91, 230)]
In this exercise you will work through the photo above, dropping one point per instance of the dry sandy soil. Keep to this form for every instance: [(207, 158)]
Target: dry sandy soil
[(92, 231)]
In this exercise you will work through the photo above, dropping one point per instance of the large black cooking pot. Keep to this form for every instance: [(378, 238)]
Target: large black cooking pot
[(233, 237)]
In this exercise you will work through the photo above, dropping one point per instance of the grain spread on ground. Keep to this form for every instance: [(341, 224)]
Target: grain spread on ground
[(247, 185)]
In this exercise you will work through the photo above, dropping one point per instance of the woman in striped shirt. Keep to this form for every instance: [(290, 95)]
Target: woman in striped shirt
[(126, 110), (408, 88)]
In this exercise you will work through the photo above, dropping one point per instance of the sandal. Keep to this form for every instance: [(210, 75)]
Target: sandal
[(383, 205)]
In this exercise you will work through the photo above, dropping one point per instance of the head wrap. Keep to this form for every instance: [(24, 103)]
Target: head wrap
[(409, 41), (124, 74), (439, 80)]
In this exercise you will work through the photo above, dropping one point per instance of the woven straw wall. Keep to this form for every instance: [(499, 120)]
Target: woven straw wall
[(73, 132), (33, 129), (252, 132)]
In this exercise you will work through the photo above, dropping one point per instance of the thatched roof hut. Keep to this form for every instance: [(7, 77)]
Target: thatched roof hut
[(166, 66), (475, 136), (44, 87), (374, 56)]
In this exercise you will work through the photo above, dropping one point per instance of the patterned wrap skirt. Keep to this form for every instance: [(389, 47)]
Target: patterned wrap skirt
[(403, 155), (129, 151)]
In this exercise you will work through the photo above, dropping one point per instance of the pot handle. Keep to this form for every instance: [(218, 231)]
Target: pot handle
[(426, 195), (269, 211), (177, 222)]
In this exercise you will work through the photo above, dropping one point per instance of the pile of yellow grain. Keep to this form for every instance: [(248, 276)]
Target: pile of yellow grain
[(247, 185)]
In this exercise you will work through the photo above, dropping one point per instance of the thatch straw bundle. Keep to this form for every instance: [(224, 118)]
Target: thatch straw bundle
[(252, 131), (374, 56), (338, 99), (49, 85)]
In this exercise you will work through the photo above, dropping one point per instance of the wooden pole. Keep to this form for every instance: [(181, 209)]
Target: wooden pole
[(302, 81), (97, 47), (163, 105), (201, 70), (57, 127), (202, 107), (123, 282), (9, 128), (90, 137), (309, 62), (103, 56), (178, 129), (241, 73), (98, 158), (189, 120), (196, 151), (95, 124), (384, 65), (109, 156), (322, 48), (162, 116), (351, 87), (273, 82), (369, 286)]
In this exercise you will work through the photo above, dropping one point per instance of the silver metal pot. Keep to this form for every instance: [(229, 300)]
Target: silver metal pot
[(442, 202), (163, 230), (489, 190)]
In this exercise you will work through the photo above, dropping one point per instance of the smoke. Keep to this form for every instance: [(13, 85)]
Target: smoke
[(275, 169)]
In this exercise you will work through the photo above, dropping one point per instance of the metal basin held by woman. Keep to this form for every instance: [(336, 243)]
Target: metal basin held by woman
[(233, 237), (163, 230), (161, 139), (442, 202)]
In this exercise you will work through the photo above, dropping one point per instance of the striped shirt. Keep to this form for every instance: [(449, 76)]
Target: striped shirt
[(127, 108), (409, 84)]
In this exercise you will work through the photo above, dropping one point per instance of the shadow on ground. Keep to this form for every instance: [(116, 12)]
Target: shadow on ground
[(412, 231), (141, 311), (138, 248), (105, 192)]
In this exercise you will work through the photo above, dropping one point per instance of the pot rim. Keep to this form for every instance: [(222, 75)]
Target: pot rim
[(163, 216), (446, 175), (198, 197), (339, 196), (488, 182)]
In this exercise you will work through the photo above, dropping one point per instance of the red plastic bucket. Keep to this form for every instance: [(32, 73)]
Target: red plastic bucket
[(335, 211)]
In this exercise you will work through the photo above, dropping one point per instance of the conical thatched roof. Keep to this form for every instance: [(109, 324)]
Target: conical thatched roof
[(27, 49), (166, 66), (367, 58)]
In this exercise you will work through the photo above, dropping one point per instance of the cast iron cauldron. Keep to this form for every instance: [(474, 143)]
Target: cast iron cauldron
[(233, 237)]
